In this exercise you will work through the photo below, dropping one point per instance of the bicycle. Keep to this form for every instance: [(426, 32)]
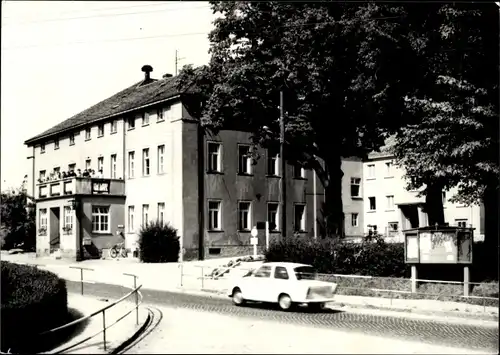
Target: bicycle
[(118, 249)]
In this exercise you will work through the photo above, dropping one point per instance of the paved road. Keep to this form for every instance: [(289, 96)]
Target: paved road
[(455, 335)]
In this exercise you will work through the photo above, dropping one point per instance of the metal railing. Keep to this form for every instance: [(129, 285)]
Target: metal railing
[(138, 301), (202, 275)]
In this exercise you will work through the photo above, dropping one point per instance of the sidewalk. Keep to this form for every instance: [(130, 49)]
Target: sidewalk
[(116, 335), (167, 277)]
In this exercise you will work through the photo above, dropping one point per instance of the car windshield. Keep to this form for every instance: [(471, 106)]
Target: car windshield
[(305, 273)]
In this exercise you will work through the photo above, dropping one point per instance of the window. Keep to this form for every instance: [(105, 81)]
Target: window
[(131, 164), (56, 143), (145, 162), (393, 226), (159, 115), (390, 202), (87, 134), (298, 171), (299, 214), (161, 212), (214, 157), (57, 170), (462, 223), (113, 166), (71, 139), (42, 148), (272, 216), (280, 273), (371, 171), (263, 271), (443, 194), (100, 164), (272, 163), (100, 130), (87, 164), (145, 214), (131, 122), (43, 218), (244, 160), (388, 169), (354, 219), (68, 217), (355, 187), (114, 126), (214, 215), (100, 219), (244, 216), (373, 203), (161, 159), (71, 167), (41, 175), (131, 213), (372, 229), (145, 118)]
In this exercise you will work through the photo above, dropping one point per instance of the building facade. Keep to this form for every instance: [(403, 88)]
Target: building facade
[(389, 208), (152, 160)]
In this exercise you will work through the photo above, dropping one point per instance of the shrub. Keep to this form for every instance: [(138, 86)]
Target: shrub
[(158, 243), (32, 301), (372, 257)]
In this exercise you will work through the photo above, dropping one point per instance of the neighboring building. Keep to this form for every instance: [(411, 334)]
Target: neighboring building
[(389, 208), (157, 163)]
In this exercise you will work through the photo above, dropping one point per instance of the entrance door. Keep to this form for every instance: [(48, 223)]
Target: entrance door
[(54, 223)]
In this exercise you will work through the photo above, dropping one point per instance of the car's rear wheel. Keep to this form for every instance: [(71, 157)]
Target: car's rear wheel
[(238, 299), (316, 307), (285, 302)]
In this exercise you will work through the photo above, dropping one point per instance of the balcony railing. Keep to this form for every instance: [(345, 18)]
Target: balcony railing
[(80, 185)]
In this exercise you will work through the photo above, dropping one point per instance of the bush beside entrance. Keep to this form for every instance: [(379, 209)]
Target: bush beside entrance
[(33, 301), (158, 243)]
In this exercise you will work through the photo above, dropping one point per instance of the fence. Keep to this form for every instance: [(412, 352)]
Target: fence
[(138, 301), (484, 294)]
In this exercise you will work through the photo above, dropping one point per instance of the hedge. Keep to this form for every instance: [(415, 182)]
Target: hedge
[(329, 256), (32, 301), (158, 243)]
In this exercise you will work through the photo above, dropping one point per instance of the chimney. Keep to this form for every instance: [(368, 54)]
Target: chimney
[(147, 69), (168, 75)]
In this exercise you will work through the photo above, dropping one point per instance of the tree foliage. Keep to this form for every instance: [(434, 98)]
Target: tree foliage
[(17, 220), (352, 75), (338, 66), (452, 139)]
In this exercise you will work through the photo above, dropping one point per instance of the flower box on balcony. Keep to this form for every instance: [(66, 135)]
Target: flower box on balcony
[(42, 231)]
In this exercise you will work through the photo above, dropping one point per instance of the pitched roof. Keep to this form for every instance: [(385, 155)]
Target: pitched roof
[(136, 96)]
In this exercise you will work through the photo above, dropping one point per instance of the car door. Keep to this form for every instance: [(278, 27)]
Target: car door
[(257, 285), (280, 283)]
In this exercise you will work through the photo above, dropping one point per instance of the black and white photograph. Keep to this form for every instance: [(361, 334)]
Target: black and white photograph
[(250, 177)]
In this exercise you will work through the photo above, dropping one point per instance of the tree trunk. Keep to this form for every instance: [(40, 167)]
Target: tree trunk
[(491, 210), (334, 214), (434, 205)]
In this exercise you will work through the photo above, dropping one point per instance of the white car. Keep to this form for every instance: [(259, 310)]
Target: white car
[(287, 284)]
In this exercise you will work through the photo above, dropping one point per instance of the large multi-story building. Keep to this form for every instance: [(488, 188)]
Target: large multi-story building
[(152, 160), (389, 208)]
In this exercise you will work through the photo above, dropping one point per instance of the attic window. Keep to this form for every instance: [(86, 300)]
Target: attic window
[(42, 148)]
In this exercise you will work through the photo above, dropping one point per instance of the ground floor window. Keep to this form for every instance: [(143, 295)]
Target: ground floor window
[(299, 222), (42, 222), (131, 213), (214, 215), (244, 216), (272, 216), (100, 219)]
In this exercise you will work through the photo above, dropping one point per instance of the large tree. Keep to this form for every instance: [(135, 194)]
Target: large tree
[(452, 138), (17, 220), (340, 67)]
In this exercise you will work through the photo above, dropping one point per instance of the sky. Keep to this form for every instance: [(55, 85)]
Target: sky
[(61, 57)]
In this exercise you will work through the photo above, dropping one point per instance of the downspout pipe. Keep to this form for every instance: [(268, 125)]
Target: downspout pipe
[(201, 192)]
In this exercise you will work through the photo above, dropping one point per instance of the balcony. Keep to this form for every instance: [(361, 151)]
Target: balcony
[(80, 186)]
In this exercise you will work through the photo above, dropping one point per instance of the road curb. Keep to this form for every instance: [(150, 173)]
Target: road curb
[(136, 335)]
